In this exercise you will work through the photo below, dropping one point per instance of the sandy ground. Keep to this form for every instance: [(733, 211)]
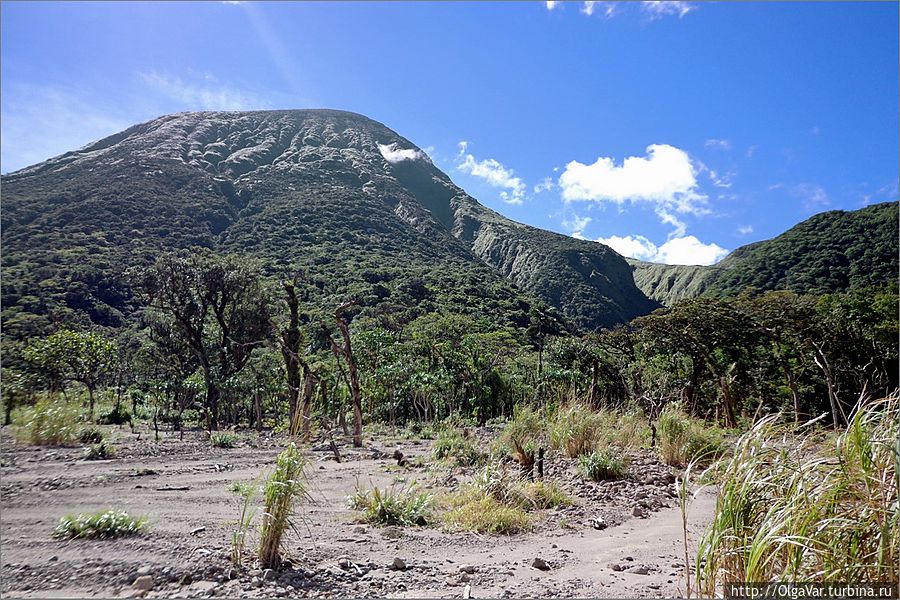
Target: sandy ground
[(638, 554)]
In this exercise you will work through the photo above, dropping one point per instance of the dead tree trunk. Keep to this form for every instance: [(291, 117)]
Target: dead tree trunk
[(346, 352)]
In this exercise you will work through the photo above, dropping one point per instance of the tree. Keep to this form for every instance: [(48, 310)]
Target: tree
[(290, 342), (70, 355), (345, 352), (218, 306)]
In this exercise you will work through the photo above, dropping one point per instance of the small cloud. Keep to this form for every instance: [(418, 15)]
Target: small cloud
[(576, 225), (494, 173), (813, 196), (393, 154), (589, 8), (544, 186), (775, 186), (201, 96), (751, 151), (745, 229), (551, 4), (234, 2), (682, 250), (658, 10), (717, 144)]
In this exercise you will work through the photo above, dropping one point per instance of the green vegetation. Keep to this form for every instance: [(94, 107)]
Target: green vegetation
[(577, 430), (90, 435), (106, 524), (521, 435), (223, 439), (286, 484), (248, 492), (485, 514), (388, 507), (794, 509), (457, 448), (47, 423), (99, 451), (684, 440), (603, 465)]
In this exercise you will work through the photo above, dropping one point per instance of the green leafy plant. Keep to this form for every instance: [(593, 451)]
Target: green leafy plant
[(577, 430), (387, 507), (117, 415), (223, 439), (284, 486), (458, 448), (99, 451), (106, 524), (521, 435), (90, 435), (683, 440), (603, 465)]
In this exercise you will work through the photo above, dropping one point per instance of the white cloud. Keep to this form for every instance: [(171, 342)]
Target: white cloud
[(745, 229), (752, 150), (576, 225), (660, 9), (196, 96), (717, 144), (393, 154), (634, 246), (494, 173), (813, 196), (545, 185), (664, 178), (589, 8), (551, 4), (682, 250)]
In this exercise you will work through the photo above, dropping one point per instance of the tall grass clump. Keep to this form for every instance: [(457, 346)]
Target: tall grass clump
[(603, 465), (793, 509), (102, 525), (458, 448), (577, 430), (285, 485), (684, 440), (388, 507), (223, 439), (47, 423), (522, 434), (248, 491)]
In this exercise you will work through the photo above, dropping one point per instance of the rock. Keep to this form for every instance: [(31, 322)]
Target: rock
[(540, 563), (144, 582), (268, 575), (467, 591), (638, 570), (392, 533), (254, 572), (203, 587), (639, 512), (629, 558), (53, 559), (598, 523), (145, 570), (398, 564), (256, 582), (344, 563), (616, 567), (470, 569)]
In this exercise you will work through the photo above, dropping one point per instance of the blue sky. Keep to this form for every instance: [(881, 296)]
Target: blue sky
[(673, 131)]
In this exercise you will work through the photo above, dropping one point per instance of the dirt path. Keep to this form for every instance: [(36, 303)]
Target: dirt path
[(334, 555)]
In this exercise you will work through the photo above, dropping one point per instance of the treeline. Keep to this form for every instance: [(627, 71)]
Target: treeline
[(218, 344)]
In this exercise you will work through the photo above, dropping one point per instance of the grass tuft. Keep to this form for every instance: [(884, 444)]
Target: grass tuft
[(47, 423), (457, 448), (603, 465), (102, 525), (286, 484), (521, 435), (387, 507), (683, 439), (486, 514), (99, 451), (223, 439), (90, 435)]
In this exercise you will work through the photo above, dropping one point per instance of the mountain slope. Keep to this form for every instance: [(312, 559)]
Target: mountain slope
[(829, 252), (335, 193)]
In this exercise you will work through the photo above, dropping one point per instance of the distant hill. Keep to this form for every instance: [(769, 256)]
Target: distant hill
[(360, 208), (829, 252)]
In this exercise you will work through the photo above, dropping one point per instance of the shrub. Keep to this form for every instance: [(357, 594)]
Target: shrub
[(106, 524), (791, 509), (90, 435), (223, 439), (99, 451), (543, 495), (458, 448), (285, 484), (47, 423), (683, 440), (521, 435), (577, 430), (117, 415), (602, 465), (386, 507)]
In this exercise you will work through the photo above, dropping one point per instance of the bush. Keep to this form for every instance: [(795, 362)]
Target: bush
[(385, 507), (577, 430), (90, 435), (106, 524), (99, 451), (792, 509), (521, 435), (602, 465), (285, 484), (223, 439), (117, 415), (684, 440), (485, 514), (543, 495), (460, 449), (47, 423)]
